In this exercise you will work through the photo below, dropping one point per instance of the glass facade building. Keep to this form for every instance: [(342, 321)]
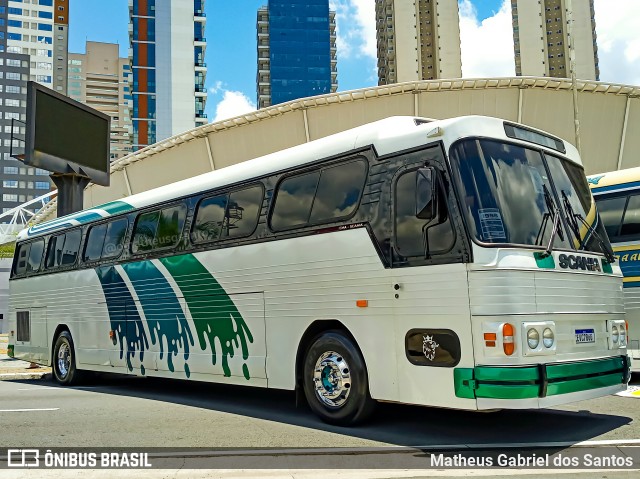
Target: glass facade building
[(296, 50)]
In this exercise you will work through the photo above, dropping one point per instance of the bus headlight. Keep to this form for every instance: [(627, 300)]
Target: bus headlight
[(614, 334), (533, 338), (548, 338)]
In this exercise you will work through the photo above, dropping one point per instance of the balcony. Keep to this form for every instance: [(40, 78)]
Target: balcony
[(200, 89), (200, 40)]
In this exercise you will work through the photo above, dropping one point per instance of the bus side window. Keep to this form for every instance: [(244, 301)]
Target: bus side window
[(338, 192), (209, 219), (242, 212), (293, 201), (611, 210), (114, 238), (63, 249), (35, 256), (159, 229), (408, 227), (94, 242), (631, 222), (21, 261)]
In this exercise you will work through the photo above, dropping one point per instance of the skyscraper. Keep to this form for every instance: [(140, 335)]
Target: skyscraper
[(296, 50), (167, 55), (417, 40), (40, 29), (99, 78), (541, 41), (26, 52)]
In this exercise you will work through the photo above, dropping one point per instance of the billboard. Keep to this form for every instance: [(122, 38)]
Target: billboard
[(65, 136)]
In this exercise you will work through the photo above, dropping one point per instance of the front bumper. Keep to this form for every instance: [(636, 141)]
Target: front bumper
[(540, 380)]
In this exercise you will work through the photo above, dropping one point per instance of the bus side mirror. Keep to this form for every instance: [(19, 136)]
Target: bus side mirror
[(427, 194)]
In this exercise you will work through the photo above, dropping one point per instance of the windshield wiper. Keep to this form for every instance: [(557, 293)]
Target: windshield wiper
[(572, 218), (552, 212)]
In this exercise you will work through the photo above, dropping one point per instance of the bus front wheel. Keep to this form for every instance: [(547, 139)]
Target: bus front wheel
[(64, 360), (335, 380)]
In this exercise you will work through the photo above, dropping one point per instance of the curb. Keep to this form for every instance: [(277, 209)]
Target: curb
[(17, 376)]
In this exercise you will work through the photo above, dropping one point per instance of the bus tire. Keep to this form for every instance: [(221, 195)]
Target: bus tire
[(335, 380), (64, 360)]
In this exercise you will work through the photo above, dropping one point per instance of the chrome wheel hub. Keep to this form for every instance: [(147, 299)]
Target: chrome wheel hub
[(332, 379), (64, 360)]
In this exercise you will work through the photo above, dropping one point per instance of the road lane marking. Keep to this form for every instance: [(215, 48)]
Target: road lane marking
[(30, 410)]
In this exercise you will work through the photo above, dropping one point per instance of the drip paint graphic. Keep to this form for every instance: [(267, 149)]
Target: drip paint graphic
[(162, 311), (214, 313), (122, 308)]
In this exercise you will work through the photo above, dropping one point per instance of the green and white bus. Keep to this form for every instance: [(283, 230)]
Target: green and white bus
[(617, 195), (455, 263)]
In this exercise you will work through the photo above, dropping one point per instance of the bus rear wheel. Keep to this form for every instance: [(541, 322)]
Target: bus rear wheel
[(64, 360), (335, 380)]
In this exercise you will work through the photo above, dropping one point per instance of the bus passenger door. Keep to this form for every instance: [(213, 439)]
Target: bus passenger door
[(429, 289)]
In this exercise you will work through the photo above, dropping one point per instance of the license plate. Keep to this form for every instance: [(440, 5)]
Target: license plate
[(585, 336)]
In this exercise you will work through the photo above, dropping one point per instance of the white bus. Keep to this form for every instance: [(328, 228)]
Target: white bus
[(408, 260), (617, 195)]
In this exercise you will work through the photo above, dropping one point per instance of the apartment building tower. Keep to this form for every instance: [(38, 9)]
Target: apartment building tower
[(167, 48), (99, 78), (297, 54), (39, 28), (417, 40), (541, 38), (18, 182)]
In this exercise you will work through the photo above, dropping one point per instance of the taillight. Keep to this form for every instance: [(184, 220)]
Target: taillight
[(508, 344)]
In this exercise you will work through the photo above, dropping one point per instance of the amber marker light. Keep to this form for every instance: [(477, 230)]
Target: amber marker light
[(362, 303), (490, 339), (507, 339)]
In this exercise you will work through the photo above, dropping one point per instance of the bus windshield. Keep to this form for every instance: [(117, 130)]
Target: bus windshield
[(508, 197)]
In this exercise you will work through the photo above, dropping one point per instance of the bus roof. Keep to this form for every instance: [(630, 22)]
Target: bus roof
[(387, 136), (614, 181)]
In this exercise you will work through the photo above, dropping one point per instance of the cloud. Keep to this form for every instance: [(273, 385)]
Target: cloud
[(355, 28), (217, 87), (233, 103), (487, 46), (618, 27)]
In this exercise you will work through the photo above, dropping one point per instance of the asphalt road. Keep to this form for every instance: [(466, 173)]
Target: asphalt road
[(129, 411), (119, 411)]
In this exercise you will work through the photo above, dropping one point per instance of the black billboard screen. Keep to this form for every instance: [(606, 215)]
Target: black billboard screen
[(65, 136)]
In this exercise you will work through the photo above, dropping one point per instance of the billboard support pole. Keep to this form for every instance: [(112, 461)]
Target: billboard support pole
[(70, 192)]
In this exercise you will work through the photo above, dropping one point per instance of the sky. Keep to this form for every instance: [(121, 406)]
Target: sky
[(485, 31)]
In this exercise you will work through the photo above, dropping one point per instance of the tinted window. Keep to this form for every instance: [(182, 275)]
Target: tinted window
[(95, 240), (29, 257), (145, 231), (611, 210), (293, 201), (410, 239), (338, 192), (71, 248), (159, 229), (105, 240), (631, 223), (232, 215), (170, 226), (242, 212), (114, 238), (63, 249), (35, 256), (209, 219), (319, 197)]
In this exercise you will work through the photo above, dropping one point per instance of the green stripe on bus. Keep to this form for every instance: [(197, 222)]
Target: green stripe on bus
[(114, 207), (214, 313), (514, 382)]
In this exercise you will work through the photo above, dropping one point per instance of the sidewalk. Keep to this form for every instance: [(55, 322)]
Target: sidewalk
[(15, 369)]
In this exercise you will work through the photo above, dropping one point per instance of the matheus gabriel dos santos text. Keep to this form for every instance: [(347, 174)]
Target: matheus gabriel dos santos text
[(532, 460)]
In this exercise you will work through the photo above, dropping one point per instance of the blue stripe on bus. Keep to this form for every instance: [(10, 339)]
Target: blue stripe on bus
[(621, 186), (633, 284), (123, 315), (163, 313)]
